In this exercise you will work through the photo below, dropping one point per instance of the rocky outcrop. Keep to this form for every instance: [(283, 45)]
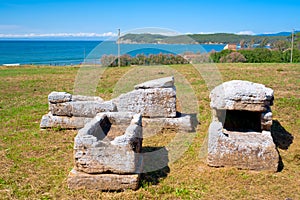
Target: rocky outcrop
[(239, 135)]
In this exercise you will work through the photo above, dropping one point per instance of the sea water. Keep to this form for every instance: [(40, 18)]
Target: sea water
[(75, 52)]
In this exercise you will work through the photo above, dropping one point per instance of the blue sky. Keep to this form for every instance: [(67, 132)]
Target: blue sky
[(103, 17)]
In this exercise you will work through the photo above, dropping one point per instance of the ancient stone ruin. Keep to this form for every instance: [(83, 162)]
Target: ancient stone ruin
[(155, 100), (106, 153), (73, 111), (107, 147), (239, 135)]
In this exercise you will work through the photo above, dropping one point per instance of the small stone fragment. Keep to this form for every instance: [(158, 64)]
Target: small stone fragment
[(59, 97)]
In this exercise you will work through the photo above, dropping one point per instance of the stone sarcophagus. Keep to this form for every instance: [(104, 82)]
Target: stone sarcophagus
[(107, 153), (155, 100), (239, 135), (73, 111), (107, 148)]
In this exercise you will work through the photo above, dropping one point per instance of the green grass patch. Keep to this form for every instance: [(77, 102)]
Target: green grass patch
[(35, 164)]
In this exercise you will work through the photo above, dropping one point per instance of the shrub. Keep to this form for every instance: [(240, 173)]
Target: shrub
[(233, 57), (109, 60), (258, 55), (216, 56)]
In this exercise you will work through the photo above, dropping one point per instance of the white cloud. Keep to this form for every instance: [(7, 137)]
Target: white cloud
[(245, 33), (206, 33), (36, 35)]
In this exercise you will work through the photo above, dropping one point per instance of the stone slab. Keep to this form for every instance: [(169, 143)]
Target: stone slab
[(86, 98), (59, 97), (241, 95), (183, 123), (106, 182), (156, 102), (167, 82), (243, 150), (81, 108), (50, 121)]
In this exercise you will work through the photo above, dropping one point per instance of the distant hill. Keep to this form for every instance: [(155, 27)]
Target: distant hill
[(147, 38), (278, 34), (217, 38)]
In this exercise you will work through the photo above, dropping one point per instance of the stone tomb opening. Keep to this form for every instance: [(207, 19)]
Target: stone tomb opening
[(242, 121), (239, 135)]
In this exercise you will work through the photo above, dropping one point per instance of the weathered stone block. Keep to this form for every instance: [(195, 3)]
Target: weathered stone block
[(156, 102), (50, 121), (241, 95), (244, 150), (79, 180), (82, 108), (61, 109), (167, 82), (182, 123), (109, 145), (59, 97), (86, 98)]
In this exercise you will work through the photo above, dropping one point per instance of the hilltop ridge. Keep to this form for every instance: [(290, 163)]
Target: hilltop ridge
[(216, 38)]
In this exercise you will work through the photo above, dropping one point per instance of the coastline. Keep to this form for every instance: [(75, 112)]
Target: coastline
[(60, 53)]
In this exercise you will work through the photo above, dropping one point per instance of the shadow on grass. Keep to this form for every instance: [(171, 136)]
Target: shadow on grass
[(155, 165), (282, 139)]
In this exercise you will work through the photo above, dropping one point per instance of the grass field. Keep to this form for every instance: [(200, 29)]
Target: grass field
[(34, 163)]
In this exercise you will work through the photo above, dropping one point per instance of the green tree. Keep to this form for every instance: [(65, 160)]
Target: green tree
[(215, 56), (297, 40), (257, 55)]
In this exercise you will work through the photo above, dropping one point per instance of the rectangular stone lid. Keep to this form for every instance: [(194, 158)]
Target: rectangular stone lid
[(241, 95), (167, 82)]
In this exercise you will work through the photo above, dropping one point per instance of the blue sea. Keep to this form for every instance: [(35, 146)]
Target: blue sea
[(75, 52)]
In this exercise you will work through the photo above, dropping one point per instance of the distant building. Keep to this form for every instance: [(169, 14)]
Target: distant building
[(230, 47)]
